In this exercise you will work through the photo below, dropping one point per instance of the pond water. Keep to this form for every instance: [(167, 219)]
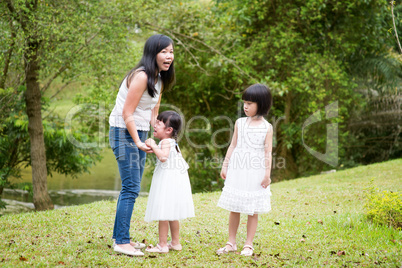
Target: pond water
[(103, 183)]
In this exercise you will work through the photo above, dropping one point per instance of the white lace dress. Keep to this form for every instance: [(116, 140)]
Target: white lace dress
[(243, 192), (170, 196)]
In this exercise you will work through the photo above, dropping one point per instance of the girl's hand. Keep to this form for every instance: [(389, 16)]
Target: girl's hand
[(223, 172), (266, 182), (150, 142), (143, 147)]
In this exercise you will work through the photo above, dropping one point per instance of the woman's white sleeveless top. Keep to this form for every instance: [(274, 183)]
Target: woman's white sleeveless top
[(143, 112)]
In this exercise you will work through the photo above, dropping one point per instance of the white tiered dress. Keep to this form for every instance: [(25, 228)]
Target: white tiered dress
[(170, 196), (243, 192)]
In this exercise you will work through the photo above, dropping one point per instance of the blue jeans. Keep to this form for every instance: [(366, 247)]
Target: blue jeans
[(131, 162)]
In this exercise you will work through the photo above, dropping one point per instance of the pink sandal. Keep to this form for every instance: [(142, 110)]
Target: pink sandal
[(225, 250), (157, 249), (175, 247)]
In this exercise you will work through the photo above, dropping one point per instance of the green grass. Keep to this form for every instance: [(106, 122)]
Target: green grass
[(79, 236)]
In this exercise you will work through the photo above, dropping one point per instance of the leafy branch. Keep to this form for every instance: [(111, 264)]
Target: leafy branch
[(211, 48), (393, 20)]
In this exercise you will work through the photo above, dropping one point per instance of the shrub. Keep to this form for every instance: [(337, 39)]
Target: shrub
[(384, 207)]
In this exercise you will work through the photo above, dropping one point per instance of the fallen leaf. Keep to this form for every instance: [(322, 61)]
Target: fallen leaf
[(11, 242), (309, 250), (22, 258), (302, 240), (60, 262), (304, 236), (334, 211), (144, 241), (332, 252), (341, 252), (308, 222), (306, 204), (89, 241), (277, 222), (320, 222)]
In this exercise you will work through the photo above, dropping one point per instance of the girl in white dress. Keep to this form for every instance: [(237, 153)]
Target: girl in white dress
[(170, 198), (247, 168)]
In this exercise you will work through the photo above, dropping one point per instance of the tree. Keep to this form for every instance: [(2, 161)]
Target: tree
[(64, 40), (305, 51)]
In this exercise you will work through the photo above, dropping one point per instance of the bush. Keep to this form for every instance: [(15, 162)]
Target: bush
[(384, 207)]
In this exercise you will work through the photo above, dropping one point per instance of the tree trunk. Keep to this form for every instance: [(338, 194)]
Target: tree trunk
[(41, 198), (291, 168)]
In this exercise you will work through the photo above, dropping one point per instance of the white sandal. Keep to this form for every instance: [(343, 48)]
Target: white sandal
[(247, 250), (225, 250), (135, 252)]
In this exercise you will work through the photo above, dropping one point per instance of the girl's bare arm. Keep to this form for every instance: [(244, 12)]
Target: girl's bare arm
[(229, 152), (161, 153), (267, 158)]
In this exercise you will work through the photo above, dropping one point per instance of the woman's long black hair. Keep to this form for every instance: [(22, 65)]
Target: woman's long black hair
[(152, 47)]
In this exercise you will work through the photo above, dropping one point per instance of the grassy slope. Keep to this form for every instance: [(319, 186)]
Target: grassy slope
[(80, 236)]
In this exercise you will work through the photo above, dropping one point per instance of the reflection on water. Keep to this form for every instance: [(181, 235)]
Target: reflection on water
[(103, 183)]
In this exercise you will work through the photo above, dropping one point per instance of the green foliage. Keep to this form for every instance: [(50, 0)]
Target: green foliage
[(306, 51), (61, 154), (74, 42), (311, 53), (384, 207)]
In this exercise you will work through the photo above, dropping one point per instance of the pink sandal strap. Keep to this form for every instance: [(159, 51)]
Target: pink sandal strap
[(248, 246)]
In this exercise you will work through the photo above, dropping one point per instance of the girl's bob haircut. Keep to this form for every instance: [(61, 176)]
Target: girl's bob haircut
[(171, 119), (260, 94)]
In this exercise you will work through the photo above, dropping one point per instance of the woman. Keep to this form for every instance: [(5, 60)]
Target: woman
[(137, 105)]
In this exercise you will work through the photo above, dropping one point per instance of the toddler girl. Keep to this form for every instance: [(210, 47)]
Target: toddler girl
[(247, 168), (170, 198)]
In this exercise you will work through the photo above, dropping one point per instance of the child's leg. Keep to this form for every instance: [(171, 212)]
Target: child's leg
[(234, 221), (175, 232), (252, 223), (163, 233)]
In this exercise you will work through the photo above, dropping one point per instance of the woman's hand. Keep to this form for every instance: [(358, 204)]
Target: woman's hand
[(266, 182), (143, 147)]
